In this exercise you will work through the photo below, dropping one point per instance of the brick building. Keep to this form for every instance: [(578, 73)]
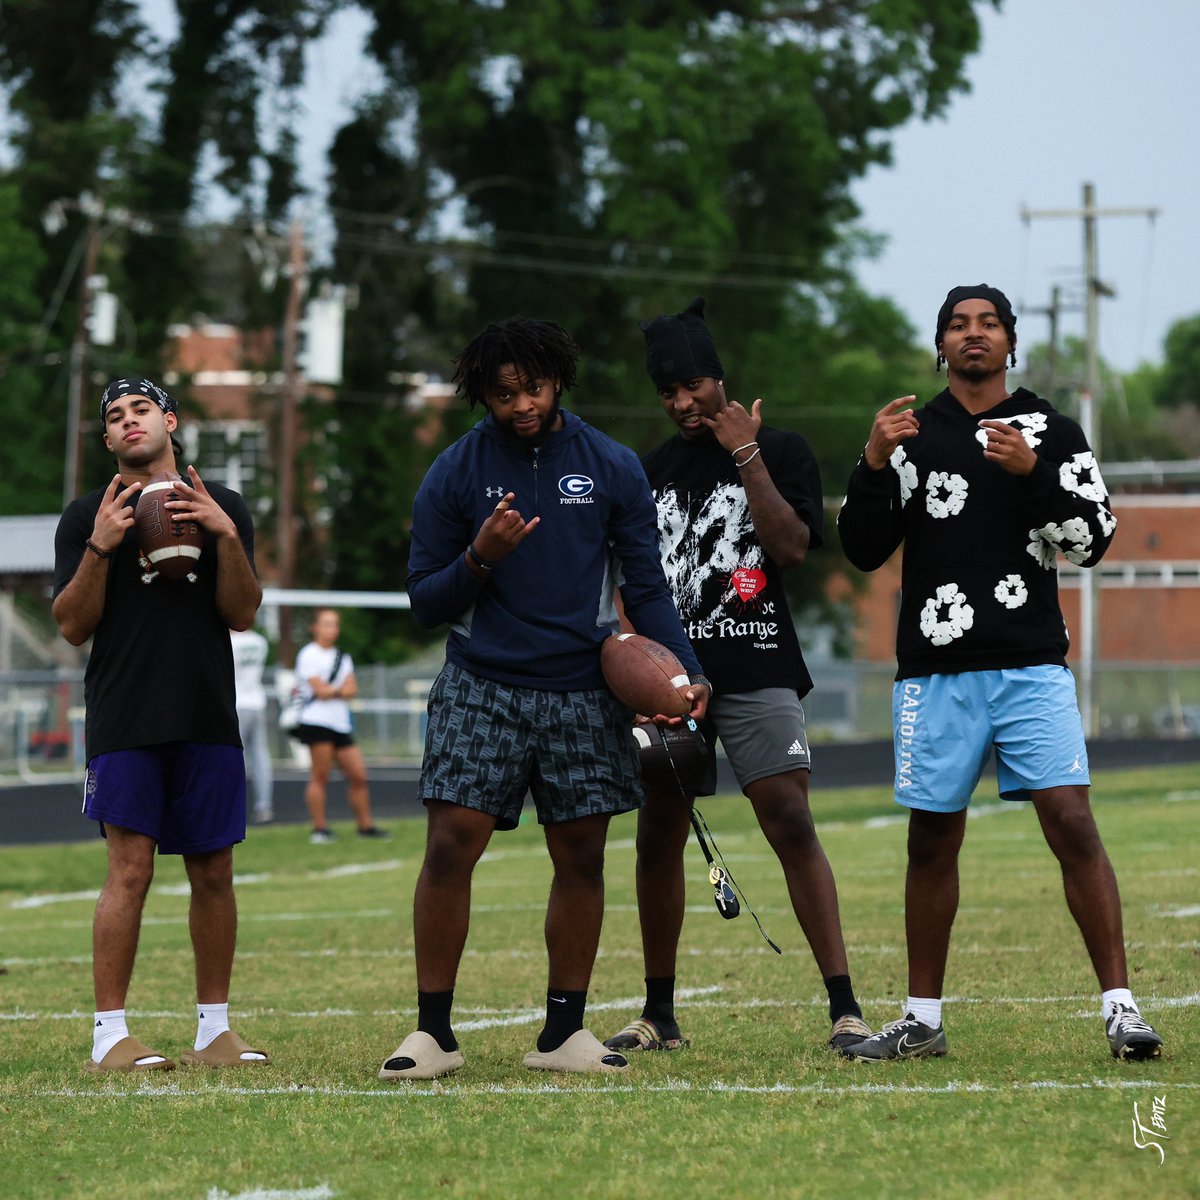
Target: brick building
[(1149, 593)]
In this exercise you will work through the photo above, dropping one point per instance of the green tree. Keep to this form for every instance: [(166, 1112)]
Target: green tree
[(601, 161), (1130, 426), (612, 158), (102, 113), (1179, 382), (228, 58), (31, 481)]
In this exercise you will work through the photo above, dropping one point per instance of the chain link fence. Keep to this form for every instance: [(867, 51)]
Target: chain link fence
[(42, 712)]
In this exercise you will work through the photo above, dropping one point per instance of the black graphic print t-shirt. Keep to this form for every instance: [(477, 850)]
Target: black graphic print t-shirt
[(728, 591), (161, 664)]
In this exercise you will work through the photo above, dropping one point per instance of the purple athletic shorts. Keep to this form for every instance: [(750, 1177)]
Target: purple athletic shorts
[(190, 797)]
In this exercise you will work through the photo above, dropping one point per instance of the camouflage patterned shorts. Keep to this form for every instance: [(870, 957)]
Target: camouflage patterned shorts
[(489, 743)]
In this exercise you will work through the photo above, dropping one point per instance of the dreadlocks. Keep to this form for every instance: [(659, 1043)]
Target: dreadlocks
[(536, 349)]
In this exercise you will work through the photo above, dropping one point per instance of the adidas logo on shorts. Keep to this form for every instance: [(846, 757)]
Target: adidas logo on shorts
[(797, 747)]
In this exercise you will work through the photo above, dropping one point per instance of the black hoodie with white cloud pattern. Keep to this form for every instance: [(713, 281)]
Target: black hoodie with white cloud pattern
[(980, 585)]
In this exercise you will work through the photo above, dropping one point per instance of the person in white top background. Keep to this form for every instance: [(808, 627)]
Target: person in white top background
[(250, 650), (326, 678)]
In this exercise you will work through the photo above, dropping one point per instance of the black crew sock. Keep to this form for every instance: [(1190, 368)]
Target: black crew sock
[(841, 997), (660, 1000), (433, 1017), (564, 1016)]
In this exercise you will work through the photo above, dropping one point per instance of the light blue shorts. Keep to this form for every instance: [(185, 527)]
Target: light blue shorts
[(944, 728)]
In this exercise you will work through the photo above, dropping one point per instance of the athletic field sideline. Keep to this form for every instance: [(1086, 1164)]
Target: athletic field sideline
[(1027, 1102)]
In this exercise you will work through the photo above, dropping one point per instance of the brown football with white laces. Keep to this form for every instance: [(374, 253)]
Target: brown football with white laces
[(644, 675), (172, 547)]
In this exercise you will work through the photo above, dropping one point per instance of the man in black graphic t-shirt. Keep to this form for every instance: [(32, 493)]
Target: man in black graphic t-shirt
[(738, 503)]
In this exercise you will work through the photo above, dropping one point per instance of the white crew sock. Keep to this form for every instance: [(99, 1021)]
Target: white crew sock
[(1115, 996), (211, 1021), (108, 1030), (927, 1009)]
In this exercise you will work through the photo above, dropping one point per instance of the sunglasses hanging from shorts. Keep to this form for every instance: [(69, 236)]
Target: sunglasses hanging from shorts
[(725, 888)]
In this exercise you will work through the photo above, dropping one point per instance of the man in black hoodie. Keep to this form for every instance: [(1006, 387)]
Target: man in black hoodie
[(985, 488)]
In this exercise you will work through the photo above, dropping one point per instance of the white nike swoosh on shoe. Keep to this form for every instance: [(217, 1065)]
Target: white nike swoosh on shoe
[(904, 1046)]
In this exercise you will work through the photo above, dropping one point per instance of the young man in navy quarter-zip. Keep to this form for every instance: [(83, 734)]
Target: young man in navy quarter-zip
[(522, 532), (986, 488)]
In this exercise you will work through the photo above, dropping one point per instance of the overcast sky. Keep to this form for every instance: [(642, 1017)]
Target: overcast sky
[(1063, 92)]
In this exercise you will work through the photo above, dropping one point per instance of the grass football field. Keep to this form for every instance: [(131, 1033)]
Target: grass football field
[(1028, 1102)]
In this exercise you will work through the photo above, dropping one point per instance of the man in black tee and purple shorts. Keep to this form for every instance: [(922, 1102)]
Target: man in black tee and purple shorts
[(165, 764), (738, 503)]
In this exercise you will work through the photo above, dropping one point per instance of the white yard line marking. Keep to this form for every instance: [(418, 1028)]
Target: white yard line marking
[(53, 960), (692, 998), (406, 1091), (58, 898), (184, 889), (392, 864), (975, 811), (321, 1192), (245, 918), (729, 839), (531, 1016), (1186, 910)]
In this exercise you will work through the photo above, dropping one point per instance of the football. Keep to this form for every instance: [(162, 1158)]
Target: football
[(171, 547), (674, 759), (644, 675)]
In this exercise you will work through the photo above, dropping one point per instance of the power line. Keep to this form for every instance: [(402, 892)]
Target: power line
[(477, 254), (599, 244)]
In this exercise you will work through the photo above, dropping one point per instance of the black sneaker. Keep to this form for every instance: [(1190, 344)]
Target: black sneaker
[(375, 832), (321, 837), (1129, 1037), (848, 1030), (908, 1038), (644, 1034)]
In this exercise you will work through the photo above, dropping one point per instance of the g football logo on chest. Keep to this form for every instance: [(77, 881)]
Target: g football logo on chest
[(576, 489)]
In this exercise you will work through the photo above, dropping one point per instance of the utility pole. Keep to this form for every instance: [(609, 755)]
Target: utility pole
[(100, 220), (1051, 312), (79, 342), (1089, 595), (293, 387)]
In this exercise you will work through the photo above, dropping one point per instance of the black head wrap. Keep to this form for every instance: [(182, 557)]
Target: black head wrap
[(679, 346), (978, 291), (132, 386)]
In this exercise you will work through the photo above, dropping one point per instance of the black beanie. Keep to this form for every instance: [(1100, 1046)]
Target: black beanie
[(679, 346), (978, 291)]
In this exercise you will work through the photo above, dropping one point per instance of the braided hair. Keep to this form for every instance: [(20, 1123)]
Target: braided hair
[(536, 350)]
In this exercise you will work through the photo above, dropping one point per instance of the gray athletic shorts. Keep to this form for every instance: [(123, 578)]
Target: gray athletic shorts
[(761, 732), (490, 743)]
